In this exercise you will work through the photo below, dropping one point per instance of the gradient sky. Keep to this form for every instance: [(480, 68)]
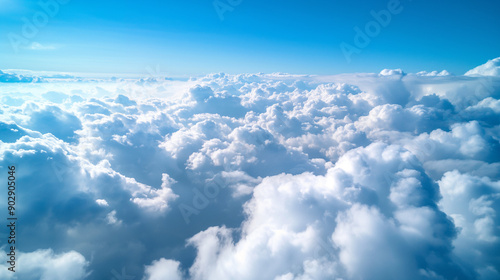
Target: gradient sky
[(189, 38)]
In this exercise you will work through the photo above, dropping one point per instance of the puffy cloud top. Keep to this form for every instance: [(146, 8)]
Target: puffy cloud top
[(434, 73), (392, 72), (490, 68)]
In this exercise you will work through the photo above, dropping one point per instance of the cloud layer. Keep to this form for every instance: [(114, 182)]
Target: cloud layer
[(255, 176)]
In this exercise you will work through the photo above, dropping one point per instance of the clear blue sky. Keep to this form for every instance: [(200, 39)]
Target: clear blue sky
[(188, 37)]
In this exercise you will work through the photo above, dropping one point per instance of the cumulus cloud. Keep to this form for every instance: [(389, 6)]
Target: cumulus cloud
[(45, 264), (102, 202), (433, 73), (324, 227), (163, 269), (392, 72), (258, 176), (490, 68), (472, 202), (156, 199)]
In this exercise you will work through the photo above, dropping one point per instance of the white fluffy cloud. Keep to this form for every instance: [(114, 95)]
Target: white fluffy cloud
[(490, 68), (156, 199), (163, 269), (473, 202), (254, 176), (375, 201), (44, 264)]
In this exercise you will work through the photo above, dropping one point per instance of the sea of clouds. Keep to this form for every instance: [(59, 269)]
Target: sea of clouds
[(254, 176)]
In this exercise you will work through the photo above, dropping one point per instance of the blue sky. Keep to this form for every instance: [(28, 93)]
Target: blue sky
[(189, 38)]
